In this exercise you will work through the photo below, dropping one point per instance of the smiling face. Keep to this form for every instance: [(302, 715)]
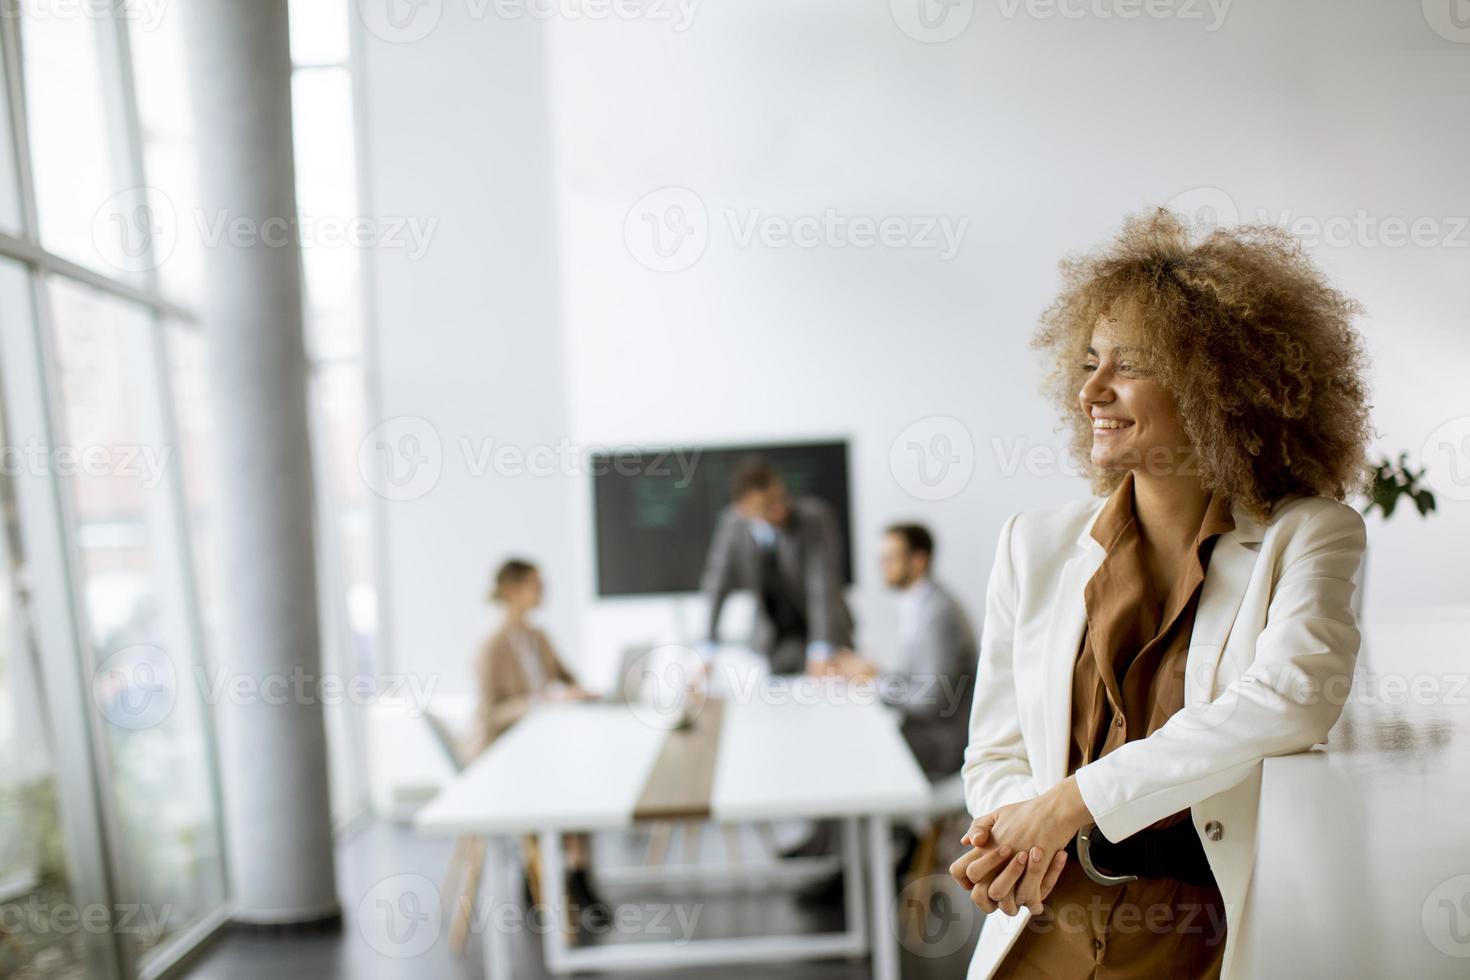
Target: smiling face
[(1134, 421)]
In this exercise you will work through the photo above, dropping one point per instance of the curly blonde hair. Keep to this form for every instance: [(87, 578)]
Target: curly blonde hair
[(1258, 351)]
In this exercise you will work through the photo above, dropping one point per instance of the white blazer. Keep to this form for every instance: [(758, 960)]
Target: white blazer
[(1268, 669)]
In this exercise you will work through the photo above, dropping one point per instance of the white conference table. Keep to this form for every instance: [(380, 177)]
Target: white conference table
[(583, 767), (1363, 847)]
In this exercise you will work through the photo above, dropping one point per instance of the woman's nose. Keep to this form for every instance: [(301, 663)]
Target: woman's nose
[(1094, 389)]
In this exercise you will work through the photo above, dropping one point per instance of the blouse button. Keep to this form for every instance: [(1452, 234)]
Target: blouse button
[(1118, 722), (1213, 830)]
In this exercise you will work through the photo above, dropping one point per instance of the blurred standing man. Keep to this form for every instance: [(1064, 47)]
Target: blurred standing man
[(790, 553), (937, 652)]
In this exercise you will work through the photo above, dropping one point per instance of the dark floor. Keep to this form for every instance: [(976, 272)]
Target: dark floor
[(387, 868)]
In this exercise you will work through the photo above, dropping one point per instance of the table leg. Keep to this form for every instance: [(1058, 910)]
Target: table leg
[(856, 919), (880, 889), (501, 857), (554, 943)]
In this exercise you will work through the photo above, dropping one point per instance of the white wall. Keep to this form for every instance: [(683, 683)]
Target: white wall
[(1041, 132), (468, 348)]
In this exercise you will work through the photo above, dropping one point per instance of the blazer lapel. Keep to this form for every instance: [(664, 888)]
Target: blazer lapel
[(1231, 564), (1226, 578), (1065, 626)]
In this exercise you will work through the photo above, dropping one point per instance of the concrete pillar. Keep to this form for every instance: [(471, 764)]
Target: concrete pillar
[(274, 760)]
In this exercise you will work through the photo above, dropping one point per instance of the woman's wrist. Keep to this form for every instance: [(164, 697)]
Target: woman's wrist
[(1070, 804)]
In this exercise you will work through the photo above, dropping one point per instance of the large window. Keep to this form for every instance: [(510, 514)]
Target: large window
[(35, 873), (111, 844)]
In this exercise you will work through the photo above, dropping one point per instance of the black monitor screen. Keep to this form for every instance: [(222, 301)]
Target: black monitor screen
[(656, 509)]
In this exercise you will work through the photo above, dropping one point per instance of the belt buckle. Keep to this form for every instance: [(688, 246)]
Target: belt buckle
[(1084, 854)]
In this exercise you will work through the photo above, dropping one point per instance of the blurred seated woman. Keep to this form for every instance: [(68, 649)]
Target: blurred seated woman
[(519, 669)]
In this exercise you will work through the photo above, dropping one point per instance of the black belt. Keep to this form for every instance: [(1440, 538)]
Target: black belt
[(1172, 852)]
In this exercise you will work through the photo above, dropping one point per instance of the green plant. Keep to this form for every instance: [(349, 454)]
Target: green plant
[(1391, 481)]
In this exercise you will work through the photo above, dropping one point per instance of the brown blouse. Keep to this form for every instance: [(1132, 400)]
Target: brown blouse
[(1128, 681)]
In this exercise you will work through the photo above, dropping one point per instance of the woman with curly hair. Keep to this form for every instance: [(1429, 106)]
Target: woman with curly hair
[(1145, 649)]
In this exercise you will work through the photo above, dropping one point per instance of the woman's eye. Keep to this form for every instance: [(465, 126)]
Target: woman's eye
[(1089, 367)]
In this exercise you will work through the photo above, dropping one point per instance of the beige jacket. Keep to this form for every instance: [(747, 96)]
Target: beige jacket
[(505, 690)]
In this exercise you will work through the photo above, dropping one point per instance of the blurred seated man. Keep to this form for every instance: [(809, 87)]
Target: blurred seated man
[(931, 685), (789, 552), (518, 669), (936, 652)]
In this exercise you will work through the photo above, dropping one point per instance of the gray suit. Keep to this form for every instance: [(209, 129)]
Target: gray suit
[(798, 588), (934, 685)]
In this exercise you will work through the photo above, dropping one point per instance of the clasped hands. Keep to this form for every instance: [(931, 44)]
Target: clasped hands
[(1018, 851)]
